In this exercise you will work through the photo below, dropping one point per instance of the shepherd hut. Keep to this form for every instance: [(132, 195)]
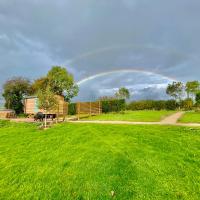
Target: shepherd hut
[(31, 106)]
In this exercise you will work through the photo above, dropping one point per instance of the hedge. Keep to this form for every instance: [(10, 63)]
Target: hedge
[(115, 105), (72, 109), (153, 105)]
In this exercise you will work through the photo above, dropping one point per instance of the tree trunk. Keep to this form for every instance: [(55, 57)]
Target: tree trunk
[(45, 120)]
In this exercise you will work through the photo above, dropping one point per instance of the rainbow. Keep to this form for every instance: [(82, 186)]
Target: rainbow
[(110, 48), (92, 77)]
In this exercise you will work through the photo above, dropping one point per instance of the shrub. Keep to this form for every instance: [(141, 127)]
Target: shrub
[(115, 105), (72, 109), (22, 115)]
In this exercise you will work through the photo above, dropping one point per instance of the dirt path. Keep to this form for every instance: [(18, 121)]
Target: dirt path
[(172, 119)]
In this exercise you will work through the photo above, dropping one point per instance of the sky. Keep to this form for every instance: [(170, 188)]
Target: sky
[(139, 44)]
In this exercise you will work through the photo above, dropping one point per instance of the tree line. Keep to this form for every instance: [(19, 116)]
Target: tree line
[(189, 91), (58, 81), (177, 90)]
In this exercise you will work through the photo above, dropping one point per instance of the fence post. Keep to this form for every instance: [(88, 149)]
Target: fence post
[(90, 109), (78, 110), (57, 116), (99, 107), (66, 109)]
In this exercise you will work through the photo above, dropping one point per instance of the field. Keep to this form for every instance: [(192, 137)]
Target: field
[(88, 161), (134, 116), (190, 117)]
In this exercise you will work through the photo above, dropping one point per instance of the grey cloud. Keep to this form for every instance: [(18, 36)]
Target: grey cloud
[(159, 36)]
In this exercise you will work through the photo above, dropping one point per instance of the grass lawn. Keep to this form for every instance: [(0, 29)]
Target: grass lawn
[(190, 117), (88, 161), (135, 116)]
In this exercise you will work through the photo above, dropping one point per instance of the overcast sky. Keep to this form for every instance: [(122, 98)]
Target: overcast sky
[(97, 36)]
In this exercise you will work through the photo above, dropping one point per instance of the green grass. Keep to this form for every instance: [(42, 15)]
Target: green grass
[(135, 116), (88, 161), (190, 117)]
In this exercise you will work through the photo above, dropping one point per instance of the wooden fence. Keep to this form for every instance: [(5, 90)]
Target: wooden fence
[(88, 108)]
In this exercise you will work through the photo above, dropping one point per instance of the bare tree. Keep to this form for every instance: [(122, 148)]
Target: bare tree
[(47, 102)]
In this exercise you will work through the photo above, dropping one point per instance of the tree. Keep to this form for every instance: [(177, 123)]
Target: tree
[(192, 88), (187, 104), (175, 90), (39, 84), (47, 101), (123, 93), (71, 92), (60, 81), (13, 91)]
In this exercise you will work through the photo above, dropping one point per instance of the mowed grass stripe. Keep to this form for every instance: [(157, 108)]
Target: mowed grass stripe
[(190, 117), (134, 116), (88, 161)]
